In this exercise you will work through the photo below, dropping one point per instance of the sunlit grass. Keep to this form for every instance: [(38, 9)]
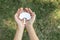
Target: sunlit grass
[(56, 14)]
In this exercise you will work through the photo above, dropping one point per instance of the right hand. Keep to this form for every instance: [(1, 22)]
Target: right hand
[(33, 16)]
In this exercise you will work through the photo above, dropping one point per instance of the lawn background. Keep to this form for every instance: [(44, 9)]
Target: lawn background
[(47, 24)]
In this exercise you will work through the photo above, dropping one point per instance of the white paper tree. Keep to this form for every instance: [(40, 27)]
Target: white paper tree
[(25, 16)]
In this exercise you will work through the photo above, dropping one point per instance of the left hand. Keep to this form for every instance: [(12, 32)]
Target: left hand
[(19, 22)]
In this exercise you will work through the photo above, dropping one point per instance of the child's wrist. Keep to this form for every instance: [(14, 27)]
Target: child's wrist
[(29, 25), (20, 27)]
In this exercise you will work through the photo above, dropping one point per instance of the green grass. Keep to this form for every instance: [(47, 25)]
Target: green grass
[(47, 18)]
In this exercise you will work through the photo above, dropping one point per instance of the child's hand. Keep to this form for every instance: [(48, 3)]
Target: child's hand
[(21, 26), (19, 22), (33, 16)]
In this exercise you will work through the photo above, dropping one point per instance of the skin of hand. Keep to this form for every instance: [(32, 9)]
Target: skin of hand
[(29, 25), (29, 22), (21, 26), (19, 22), (33, 16)]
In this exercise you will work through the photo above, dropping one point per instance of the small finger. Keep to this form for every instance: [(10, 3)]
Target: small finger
[(33, 15), (30, 11), (18, 12), (26, 9)]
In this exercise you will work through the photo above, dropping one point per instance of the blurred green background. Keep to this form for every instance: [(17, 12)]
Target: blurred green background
[(47, 24)]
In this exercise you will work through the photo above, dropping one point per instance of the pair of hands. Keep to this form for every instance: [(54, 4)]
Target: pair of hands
[(28, 22)]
